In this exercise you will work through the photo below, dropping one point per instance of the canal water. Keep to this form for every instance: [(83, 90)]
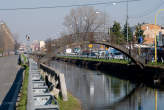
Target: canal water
[(99, 91)]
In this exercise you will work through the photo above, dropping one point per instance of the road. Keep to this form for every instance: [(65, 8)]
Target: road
[(8, 72)]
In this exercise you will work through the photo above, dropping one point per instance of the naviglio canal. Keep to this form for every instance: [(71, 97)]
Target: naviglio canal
[(98, 91)]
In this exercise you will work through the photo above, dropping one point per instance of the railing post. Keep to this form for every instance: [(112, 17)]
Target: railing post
[(63, 87)]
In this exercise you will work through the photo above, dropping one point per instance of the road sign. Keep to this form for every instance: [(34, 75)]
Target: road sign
[(102, 47), (106, 48), (140, 40), (27, 37), (90, 45)]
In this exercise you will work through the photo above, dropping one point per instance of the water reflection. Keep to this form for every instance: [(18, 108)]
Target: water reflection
[(95, 90), (141, 99)]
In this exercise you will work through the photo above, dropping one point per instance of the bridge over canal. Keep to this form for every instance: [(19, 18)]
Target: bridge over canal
[(129, 52)]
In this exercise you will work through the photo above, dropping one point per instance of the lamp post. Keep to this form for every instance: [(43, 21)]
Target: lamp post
[(155, 34), (127, 20), (104, 22), (28, 39)]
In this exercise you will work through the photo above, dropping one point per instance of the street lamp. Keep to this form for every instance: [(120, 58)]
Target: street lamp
[(155, 34), (97, 12), (114, 3), (104, 23)]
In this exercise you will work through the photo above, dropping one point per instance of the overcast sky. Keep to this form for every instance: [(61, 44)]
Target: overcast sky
[(45, 23)]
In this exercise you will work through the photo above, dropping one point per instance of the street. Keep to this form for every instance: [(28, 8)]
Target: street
[(8, 71)]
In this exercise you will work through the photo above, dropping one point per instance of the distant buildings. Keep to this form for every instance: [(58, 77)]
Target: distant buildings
[(150, 31), (42, 45), (38, 45), (22, 48)]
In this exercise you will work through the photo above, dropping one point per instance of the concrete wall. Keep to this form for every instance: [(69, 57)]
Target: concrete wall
[(55, 81)]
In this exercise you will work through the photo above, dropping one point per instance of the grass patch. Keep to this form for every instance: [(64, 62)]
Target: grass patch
[(23, 98), (158, 64), (71, 104), (99, 60), (24, 58), (1, 51)]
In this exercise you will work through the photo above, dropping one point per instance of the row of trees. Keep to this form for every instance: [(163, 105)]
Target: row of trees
[(8, 42), (82, 24), (119, 35), (87, 19), (66, 41)]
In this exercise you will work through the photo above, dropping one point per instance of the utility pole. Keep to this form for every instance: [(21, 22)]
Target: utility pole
[(129, 46), (104, 19), (155, 38), (127, 20)]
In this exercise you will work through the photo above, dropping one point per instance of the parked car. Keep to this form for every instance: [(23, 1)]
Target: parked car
[(118, 57)]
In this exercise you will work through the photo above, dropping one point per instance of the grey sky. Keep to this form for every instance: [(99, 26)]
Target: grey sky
[(44, 23)]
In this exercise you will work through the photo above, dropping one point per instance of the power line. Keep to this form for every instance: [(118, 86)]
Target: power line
[(147, 12), (66, 6)]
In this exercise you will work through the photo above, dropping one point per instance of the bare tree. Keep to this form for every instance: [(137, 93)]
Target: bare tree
[(81, 23), (49, 45), (85, 19), (6, 39), (16, 38), (1, 41)]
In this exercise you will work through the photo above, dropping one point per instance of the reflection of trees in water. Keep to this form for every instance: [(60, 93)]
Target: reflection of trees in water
[(95, 89), (137, 99), (116, 86), (120, 87), (106, 90)]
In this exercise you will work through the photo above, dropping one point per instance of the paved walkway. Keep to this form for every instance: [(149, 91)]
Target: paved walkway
[(8, 72)]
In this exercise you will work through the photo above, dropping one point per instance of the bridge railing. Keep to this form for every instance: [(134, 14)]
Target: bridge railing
[(128, 50)]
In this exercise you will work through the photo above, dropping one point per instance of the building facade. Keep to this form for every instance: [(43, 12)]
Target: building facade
[(150, 31), (7, 42)]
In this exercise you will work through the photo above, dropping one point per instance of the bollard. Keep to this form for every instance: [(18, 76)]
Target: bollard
[(63, 87)]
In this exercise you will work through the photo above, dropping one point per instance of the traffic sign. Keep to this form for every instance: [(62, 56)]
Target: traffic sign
[(90, 45)]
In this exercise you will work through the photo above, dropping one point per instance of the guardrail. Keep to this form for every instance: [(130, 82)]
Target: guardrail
[(39, 96), (56, 80)]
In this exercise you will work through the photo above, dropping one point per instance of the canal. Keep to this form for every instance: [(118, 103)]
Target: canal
[(98, 91)]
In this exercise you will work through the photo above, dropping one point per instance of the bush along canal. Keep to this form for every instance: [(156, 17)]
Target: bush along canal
[(22, 97), (22, 101), (17, 94)]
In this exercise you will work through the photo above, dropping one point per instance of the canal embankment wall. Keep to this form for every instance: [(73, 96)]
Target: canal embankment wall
[(56, 83), (56, 79), (149, 75)]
